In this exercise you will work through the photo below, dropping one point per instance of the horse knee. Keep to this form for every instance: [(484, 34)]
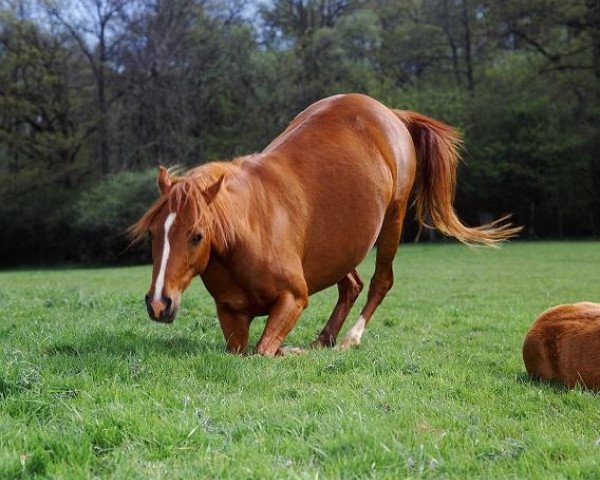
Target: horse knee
[(390, 282)]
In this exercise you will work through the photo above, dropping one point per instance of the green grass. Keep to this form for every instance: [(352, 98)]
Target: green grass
[(89, 387)]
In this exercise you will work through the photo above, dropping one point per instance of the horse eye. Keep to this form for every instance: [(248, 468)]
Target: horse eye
[(195, 239)]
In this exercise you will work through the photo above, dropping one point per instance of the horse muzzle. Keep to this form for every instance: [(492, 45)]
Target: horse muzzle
[(161, 310)]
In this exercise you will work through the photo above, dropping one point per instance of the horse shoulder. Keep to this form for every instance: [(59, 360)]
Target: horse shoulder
[(224, 288)]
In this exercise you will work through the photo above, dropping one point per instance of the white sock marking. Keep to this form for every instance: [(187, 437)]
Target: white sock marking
[(160, 280), (354, 334)]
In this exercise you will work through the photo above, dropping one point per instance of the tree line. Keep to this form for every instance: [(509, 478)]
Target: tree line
[(95, 93)]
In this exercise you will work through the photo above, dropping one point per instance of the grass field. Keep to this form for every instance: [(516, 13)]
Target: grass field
[(89, 387)]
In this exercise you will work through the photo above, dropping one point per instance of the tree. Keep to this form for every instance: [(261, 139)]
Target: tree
[(334, 43), (97, 28), (40, 128), (188, 77)]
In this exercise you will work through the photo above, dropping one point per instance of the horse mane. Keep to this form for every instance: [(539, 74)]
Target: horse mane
[(187, 188)]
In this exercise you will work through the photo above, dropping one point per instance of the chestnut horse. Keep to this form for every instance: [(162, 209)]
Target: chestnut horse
[(267, 230), (563, 345)]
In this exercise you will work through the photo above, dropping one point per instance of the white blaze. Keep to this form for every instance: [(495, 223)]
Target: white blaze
[(160, 280)]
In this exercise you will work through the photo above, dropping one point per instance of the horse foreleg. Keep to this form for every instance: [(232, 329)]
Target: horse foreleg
[(349, 289), (283, 316), (235, 328), (383, 278)]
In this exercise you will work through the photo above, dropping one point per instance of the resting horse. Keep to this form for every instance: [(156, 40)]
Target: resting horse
[(563, 345), (267, 230)]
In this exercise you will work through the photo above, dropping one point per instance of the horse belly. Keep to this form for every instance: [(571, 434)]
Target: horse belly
[(339, 245)]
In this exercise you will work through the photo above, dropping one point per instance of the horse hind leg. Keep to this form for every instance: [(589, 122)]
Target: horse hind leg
[(349, 289), (383, 278)]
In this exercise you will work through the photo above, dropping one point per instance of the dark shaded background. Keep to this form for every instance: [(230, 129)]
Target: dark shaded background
[(95, 93)]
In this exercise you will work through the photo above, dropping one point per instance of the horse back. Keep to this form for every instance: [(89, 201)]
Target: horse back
[(344, 160), (346, 131)]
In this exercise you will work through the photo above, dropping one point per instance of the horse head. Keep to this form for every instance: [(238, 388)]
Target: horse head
[(179, 226)]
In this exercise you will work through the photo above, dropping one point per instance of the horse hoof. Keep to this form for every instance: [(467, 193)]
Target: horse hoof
[(347, 343), (283, 351), (321, 342)]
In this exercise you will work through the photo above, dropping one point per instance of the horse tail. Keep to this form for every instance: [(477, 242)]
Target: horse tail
[(438, 146)]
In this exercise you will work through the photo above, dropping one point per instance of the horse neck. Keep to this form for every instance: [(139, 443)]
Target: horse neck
[(242, 199), (229, 208)]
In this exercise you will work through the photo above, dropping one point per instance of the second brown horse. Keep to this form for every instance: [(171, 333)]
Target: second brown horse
[(563, 345), (266, 231)]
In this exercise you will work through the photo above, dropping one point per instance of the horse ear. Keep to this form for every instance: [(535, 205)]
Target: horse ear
[(163, 180), (210, 193)]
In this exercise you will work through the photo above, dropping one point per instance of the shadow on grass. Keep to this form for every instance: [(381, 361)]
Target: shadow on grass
[(126, 343), (551, 386)]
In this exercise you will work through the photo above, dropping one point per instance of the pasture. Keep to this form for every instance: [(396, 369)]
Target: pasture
[(90, 387)]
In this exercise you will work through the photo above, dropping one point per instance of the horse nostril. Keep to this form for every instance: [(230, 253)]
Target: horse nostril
[(149, 306), (168, 303), (159, 309)]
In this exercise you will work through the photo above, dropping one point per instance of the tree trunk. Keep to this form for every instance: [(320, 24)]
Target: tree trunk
[(451, 43), (531, 228), (468, 53), (102, 105), (593, 21), (560, 224)]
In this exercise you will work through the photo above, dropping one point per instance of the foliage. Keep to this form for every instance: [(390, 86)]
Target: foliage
[(38, 107), (103, 213), (90, 387), (37, 226), (90, 224), (89, 92)]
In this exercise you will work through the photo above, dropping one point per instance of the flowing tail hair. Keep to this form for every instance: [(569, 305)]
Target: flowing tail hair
[(438, 146)]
